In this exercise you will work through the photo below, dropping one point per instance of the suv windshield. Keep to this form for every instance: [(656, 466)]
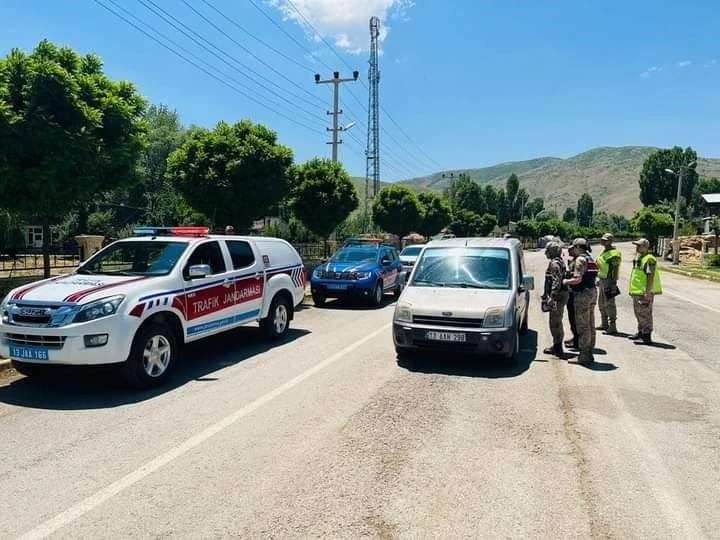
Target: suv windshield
[(132, 258), (483, 268), (411, 251), (354, 255)]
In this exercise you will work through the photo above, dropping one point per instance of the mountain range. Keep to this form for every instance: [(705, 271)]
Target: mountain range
[(609, 174)]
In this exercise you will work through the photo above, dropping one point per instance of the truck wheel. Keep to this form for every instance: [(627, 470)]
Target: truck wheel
[(152, 356), (277, 323), (28, 369)]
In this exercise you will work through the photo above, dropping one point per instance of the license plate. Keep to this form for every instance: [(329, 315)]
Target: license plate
[(28, 353), (337, 286), (445, 336)]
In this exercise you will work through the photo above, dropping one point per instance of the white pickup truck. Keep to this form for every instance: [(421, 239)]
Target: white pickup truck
[(139, 299)]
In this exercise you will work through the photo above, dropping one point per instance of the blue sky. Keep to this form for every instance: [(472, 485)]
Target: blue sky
[(464, 83)]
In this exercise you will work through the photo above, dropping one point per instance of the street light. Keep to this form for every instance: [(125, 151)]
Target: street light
[(676, 241)]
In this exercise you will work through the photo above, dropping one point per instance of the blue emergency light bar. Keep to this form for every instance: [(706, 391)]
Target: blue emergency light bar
[(171, 231)]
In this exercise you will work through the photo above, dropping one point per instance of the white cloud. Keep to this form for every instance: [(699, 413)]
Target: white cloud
[(711, 63), (684, 63), (649, 71), (344, 23)]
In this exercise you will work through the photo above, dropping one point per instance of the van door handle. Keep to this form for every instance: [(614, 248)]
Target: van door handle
[(258, 275)]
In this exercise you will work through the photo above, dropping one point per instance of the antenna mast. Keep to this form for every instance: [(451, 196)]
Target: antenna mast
[(372, 153)]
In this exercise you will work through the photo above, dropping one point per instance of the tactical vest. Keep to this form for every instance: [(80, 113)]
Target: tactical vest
[(638, 277), (588, 278), (603, 261)]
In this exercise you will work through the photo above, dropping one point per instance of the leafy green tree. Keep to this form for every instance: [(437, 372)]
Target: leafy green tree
[(490, 196), (534, 207), (502, 208), (467, 194), (546, 214), (527, 228), (68, 132), (584, 213), (656, 184), (521, 204), (569, 215), (435, 214), (468, 223), (397, 210), (323, 196), (512, 188), (233, 173), (653, 222), (703, 187)]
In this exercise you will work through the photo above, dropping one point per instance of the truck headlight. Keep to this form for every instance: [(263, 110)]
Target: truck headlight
[(98, 309), (3, 309), (403, 312), (494, 317)]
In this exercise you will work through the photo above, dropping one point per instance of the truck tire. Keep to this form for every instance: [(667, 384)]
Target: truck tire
[(277, 322), (152, 356)]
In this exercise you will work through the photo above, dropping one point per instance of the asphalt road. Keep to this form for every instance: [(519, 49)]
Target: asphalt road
[(326, 436)]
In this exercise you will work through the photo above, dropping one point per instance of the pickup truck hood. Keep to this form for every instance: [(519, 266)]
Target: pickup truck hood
[(73, 288), (461, 302)]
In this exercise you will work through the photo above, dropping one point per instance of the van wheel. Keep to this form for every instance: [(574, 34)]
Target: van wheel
[(524, 325), (277, 323), (511, 357), (152, 356)]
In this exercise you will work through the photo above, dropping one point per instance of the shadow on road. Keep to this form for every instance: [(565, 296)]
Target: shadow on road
[(100, 387), (463, 365), (658, 345), (352, 303)]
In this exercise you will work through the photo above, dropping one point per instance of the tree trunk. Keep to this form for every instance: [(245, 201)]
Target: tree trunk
[(325, 248), (46, 247)]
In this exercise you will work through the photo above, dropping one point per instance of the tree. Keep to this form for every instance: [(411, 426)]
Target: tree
[(569, 215), (703, 187), (534, 207), (435, 214), (512, 188), (323, 196), (469, 223), (467, 194), (233, 173), (397, 210), (653, 222), (501, 208), (584, 210), (68, 131), (657, 185)]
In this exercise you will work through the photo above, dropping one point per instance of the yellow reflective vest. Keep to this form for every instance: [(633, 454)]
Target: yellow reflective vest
[(638, 276), (603, 261)]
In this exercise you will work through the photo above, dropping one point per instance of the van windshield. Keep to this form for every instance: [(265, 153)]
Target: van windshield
[(482, 268)]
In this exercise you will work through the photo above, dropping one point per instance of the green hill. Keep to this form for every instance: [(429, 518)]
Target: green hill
[(609, 174)]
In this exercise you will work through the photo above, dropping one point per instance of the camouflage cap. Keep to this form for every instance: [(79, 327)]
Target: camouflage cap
[(642, 242)]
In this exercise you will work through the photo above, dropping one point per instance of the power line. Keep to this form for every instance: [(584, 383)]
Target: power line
[(200, 67), (248, 51), (259, 40)]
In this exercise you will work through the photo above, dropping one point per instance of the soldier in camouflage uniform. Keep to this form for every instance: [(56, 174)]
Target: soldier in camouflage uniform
[(584, 290), (557, 294), (571, 343), (644, 286)]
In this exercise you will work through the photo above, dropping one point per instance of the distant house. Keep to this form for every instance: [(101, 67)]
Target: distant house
[(712, 204)]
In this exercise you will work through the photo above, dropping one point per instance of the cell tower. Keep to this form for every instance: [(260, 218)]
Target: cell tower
[(372, 153)]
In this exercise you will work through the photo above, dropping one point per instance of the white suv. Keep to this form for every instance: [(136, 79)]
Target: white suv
[(136, 301)]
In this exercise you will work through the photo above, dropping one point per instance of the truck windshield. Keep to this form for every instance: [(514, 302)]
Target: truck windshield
[(141, 258)]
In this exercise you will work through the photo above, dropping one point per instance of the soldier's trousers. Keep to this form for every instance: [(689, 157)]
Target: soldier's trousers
[(643, 309), (556, 319), (571, 315), (585, 302), (608, 309)]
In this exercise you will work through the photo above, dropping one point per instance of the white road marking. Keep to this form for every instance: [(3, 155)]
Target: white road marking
[(691, 301), (83, 507), (678, 513)]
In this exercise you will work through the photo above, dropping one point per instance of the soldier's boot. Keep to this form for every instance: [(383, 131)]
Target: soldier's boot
[(644, 338), (611, 329), (555, 350), (637, 335), (604, 325), (571, 343), (585, 358)]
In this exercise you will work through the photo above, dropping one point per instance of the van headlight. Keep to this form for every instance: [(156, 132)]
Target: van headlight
[(403, 313), (494, 317), (98, 309)]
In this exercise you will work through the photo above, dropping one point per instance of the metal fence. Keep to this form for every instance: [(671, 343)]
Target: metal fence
[(25, 262)]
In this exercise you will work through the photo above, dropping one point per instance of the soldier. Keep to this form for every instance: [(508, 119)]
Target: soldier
[(608, 263), (584, 290), (571, 343), (644, 285), (557, 294)]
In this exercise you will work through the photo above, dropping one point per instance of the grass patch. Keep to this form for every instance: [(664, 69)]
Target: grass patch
[(694, 270)]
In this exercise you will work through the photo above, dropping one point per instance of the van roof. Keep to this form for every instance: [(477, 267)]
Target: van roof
[(475, 242)]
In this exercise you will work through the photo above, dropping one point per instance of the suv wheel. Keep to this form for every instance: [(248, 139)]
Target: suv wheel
[(377, 296)]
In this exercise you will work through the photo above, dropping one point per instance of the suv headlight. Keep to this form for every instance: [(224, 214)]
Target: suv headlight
[(98, 309), (317, 273), (403, 312), (494, 317), (362, 275)]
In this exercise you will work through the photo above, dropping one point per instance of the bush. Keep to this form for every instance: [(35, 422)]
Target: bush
[(713, 260)]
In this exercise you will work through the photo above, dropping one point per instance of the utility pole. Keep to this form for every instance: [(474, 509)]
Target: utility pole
[(372, 151), (336, 80)]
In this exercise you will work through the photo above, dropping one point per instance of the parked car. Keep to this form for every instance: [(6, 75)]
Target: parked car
[(135, 302), (358, 270), (408, 256), (466, 295)]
